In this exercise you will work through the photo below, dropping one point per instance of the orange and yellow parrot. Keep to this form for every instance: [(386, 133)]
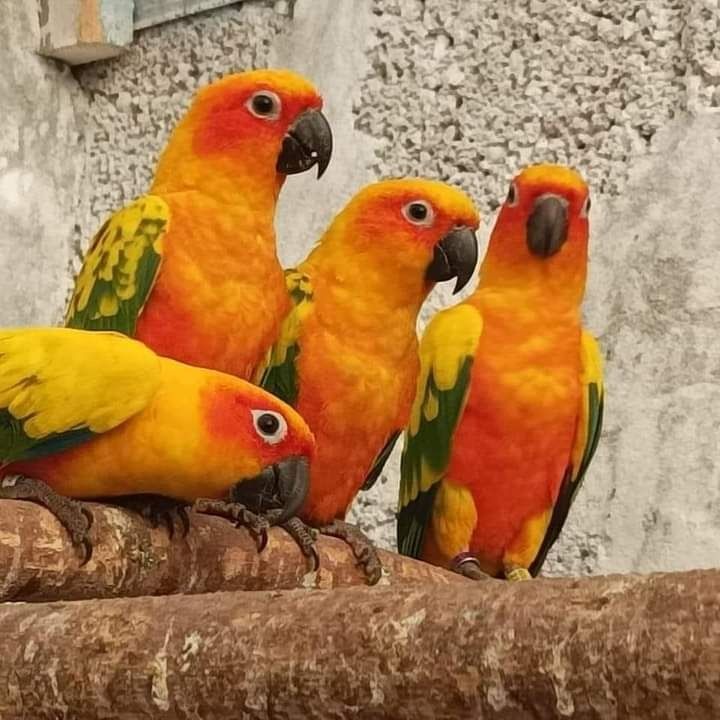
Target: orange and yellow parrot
[(509, 400), (347, 355), (191, 268), (95, 414)]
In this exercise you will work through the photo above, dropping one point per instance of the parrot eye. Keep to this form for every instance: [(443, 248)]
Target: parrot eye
[(271, 426), (418, 212), (512, 196), (264, 104), (585, 210)]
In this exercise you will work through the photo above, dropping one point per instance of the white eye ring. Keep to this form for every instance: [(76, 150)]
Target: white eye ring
[(585, 209), (513, 196), (418, 212), (270, 426), (264, 104)]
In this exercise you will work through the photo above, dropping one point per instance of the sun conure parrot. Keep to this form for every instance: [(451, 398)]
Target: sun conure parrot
[(347, 355), (191, 268), (95, 414), (509, 400)]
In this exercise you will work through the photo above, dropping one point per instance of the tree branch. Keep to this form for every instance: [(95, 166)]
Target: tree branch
[(607, 647), (38, 563)]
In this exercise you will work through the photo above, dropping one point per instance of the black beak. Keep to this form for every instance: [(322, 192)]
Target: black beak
[(308, 142), (455, 256), (282, 486), (547, 226)]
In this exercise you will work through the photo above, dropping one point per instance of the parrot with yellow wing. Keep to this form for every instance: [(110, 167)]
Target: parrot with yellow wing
[(191, 269), (97, 415), (509, 402), (347, 354)]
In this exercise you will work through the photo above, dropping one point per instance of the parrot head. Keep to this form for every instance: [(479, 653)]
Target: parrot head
[(541, 229), (266, 442), (261, 124), (420, 231)]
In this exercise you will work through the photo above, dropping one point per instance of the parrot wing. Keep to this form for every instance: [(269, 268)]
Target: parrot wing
[(447, 351), (120, 268), (380, 461), (587, 435), (59, 387), (278, 374)]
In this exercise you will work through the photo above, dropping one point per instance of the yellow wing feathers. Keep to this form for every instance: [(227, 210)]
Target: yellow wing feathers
[(120, 268), (55, 380), (300, 290), (278, 373), (447, 350), (450, 338)]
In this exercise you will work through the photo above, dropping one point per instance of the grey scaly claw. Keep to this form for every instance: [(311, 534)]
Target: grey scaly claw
[(71, 514), (362, 547), (239, 515), (305, 537)]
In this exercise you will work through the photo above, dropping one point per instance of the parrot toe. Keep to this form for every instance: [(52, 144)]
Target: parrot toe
[(71, 514), (83, 538), (157, 510), (467, 565), (517, 574), (238, 514), (305, 537), (363, 549)]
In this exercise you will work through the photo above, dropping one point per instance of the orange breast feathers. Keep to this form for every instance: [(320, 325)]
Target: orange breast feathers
[(513, 443), (224, 314), (375, 397)]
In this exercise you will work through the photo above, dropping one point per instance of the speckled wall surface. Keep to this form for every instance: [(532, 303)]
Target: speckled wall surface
[(41, 163), (469, 91)]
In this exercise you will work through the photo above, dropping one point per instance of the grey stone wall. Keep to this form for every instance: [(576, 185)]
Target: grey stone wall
[(467, 91), (41, 167)]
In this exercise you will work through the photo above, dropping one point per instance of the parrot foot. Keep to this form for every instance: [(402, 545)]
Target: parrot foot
[(71, 514), (362, 547), (305, 537), (517, 574), (157, 509), (238, 514), (467, 565)]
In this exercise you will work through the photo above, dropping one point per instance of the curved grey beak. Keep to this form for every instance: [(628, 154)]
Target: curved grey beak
[(308, 142), (455, 256), (282, 486), (547, 226)]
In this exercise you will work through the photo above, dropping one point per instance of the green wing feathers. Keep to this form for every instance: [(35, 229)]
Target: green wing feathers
[(279, 373), (447, 352), (59, 387), (120, 268), (587, 436)]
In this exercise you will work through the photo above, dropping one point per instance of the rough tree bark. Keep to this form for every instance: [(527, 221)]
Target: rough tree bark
[(607, 647), (38, 563)]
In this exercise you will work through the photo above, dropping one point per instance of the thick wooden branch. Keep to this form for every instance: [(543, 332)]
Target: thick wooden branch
[(607, 647), (38, 563)]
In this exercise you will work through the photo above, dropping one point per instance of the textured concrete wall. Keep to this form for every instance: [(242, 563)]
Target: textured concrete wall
[(41, 167), (470, 91)]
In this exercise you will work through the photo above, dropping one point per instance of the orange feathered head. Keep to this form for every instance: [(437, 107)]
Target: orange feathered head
[(541, 231), (407, 232), (258, 125), (268, 444)]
